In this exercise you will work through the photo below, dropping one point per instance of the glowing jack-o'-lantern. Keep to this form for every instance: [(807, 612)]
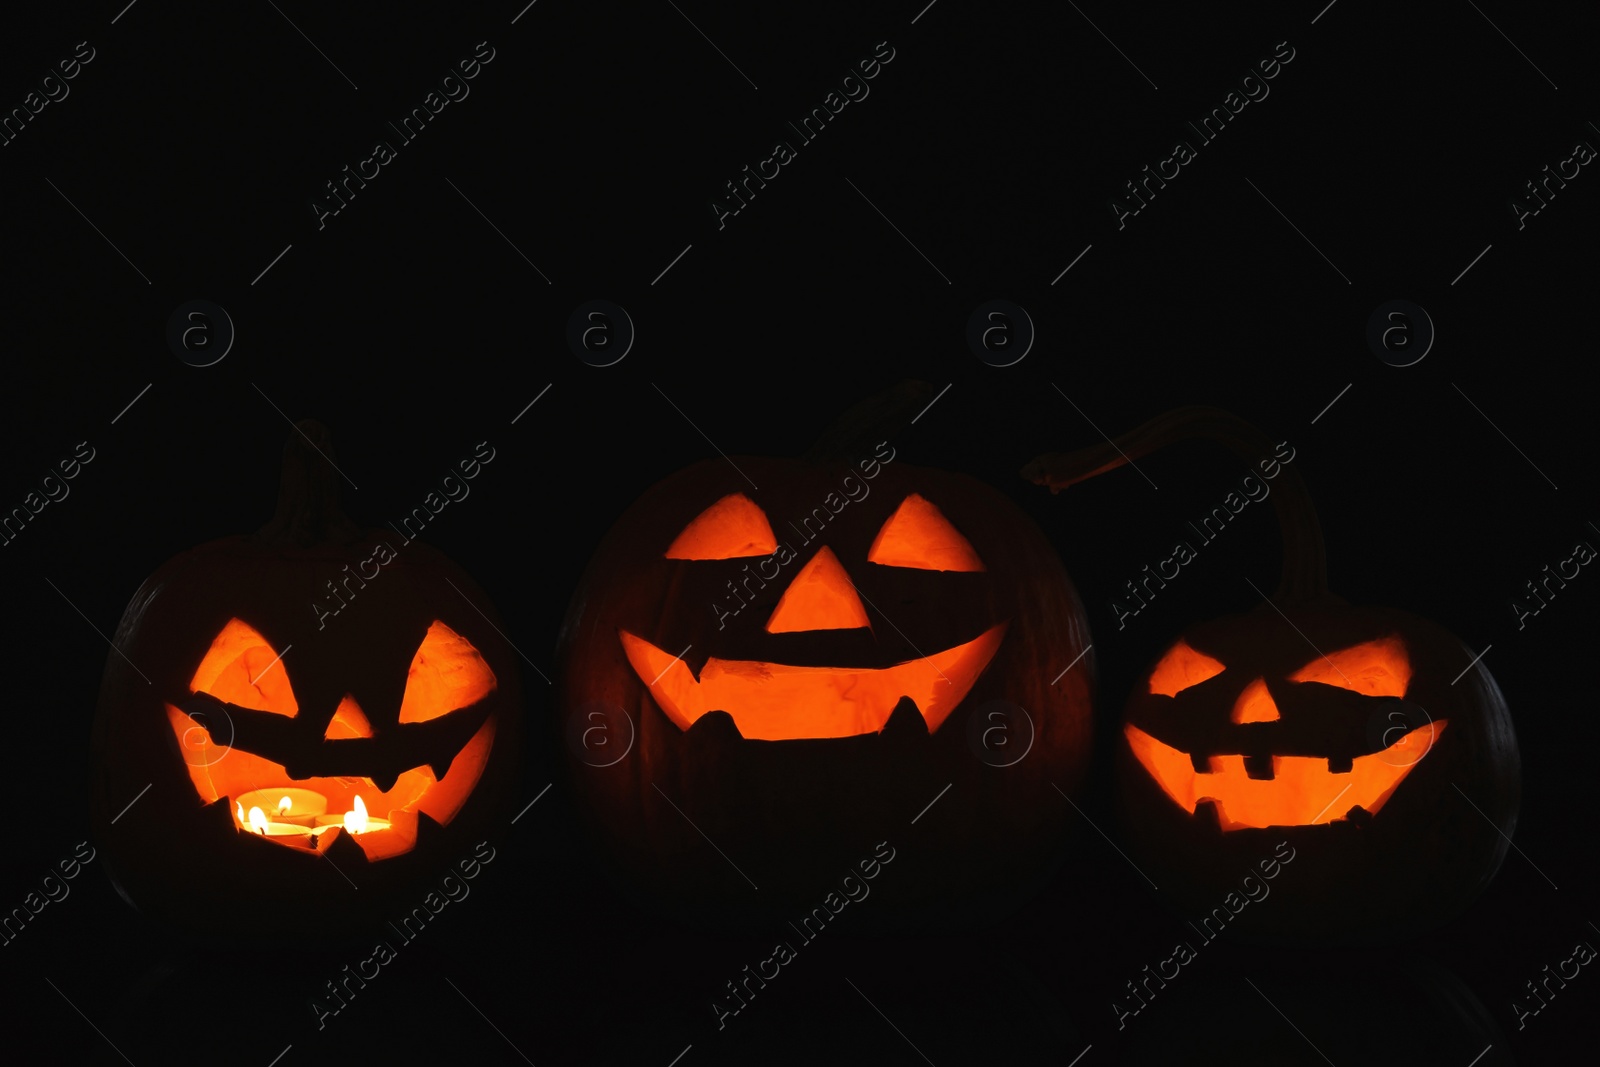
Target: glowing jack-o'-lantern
[(300, 760), (1266, 776), (792, 669), (780, 701), (1365, 737), (242, 682)]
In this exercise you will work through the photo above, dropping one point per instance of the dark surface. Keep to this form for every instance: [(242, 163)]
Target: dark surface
[(595, 140)]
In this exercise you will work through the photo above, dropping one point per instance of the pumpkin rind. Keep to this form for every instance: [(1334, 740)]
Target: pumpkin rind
[(792, 816)]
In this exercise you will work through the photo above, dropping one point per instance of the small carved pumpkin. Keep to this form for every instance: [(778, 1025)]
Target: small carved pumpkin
[(1367, 738)]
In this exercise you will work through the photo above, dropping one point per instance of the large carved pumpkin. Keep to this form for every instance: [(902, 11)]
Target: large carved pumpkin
[(771, 665), (1366, 738), (268, 762)]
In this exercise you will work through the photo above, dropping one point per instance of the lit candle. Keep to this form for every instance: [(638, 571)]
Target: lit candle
[(259, 824), (287, 804), (355, 821)]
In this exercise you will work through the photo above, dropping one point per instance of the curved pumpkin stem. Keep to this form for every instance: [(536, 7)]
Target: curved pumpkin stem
[(857, 431), (1305, 567), (308, 510)]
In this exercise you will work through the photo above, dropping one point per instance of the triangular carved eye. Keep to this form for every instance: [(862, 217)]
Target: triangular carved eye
[(1378, 668), (446, 674), (1181, 668), (734, 526), (241, 668), (918, 535)]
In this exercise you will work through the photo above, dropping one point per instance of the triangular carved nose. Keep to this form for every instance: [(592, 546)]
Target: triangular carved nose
[(821, 597), (348, 721), (1255, 704)]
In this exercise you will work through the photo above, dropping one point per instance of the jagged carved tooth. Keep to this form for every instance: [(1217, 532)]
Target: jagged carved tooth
[(905, 724), (713, 728), (1259, 767), (342, 851)]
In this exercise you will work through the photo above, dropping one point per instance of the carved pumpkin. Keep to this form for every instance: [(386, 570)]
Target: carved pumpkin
[(794, 671), (302, 764), (1350, 732)]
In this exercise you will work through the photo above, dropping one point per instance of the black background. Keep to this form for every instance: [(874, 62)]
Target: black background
[(595, 141)]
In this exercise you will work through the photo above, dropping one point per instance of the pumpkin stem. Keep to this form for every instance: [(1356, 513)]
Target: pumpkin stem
[(858, 431), (1305, 567), (308, 493)]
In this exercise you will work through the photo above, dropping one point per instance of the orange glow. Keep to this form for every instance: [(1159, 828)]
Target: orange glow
[(1377, 668), (355, 821), (821, 597), (1255, 704), (1181, 668), (240, 669), (348, 721), (446, 673), (731, 527), (777, 702), (918, 535), (1302, 791), (285, 833), (218, 772)]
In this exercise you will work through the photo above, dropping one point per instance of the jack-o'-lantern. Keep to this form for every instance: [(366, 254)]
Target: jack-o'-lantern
[(764, 678), (1370, 740), (296, 726)]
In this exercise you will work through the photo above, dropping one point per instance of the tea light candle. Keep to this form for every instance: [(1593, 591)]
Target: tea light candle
[(302, 807), (355, 821), (258, 824)]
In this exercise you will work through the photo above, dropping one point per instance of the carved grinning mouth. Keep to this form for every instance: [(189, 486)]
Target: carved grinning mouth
[(1298, 790), (779, 702), (242, 711), (223, 771)]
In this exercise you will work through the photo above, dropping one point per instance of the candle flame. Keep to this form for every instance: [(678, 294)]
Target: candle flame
[(355, 822), (240, 808), (258, 820), (284, 805)]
